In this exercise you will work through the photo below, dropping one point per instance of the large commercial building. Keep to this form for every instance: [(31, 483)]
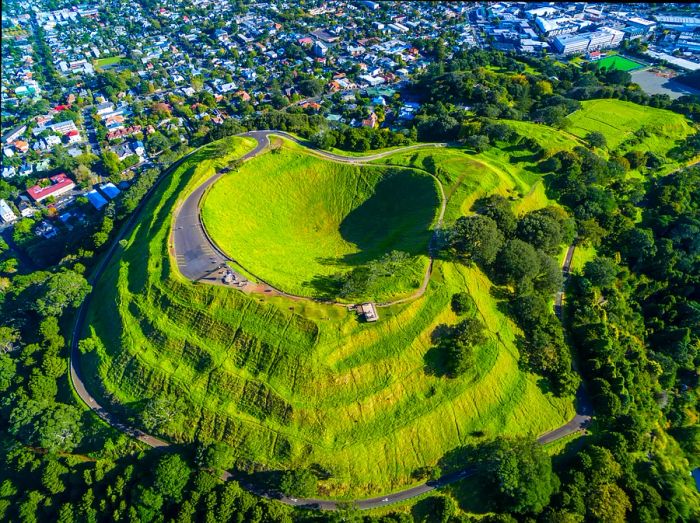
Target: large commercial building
[(583, 43)]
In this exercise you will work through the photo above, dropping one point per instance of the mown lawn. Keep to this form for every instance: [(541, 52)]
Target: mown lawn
[(289, 383), (295, 220), (110, 60)]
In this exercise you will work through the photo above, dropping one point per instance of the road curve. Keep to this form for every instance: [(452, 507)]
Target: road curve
[(202, 259), (199, 258)]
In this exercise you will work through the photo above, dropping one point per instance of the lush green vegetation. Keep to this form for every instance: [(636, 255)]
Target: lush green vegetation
[(306, 399), (291, 388), (300, 223), (630, 127)]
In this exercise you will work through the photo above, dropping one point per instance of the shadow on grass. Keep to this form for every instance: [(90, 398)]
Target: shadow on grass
[(397, 216), (324, 287), (435, 359), (474, 493)]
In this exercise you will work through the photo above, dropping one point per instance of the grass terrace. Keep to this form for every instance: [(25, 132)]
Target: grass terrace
[(297, 383)]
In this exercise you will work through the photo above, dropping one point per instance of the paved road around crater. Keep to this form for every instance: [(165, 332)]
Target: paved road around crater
[(199, 259)]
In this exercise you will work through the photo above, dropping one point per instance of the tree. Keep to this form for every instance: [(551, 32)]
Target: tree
[(299, 483), (462, 303), (520, 471), (609, 503), (62, 289), (54, 427), (601, 272), (459, 343), (51, 477), (518, 261), (499, 209), (541, 231), (479, 142), (596, 139), (8, 337), (159, 411), (171, 476), (476, 238), (111, 163), (217, 456)]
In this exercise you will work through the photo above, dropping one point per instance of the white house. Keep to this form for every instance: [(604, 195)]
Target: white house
[(7, 215)]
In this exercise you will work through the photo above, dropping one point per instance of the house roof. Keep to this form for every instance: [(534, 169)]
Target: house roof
[(58, 182)]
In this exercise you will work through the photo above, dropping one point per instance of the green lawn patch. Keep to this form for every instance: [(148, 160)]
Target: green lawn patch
[(108, 61)]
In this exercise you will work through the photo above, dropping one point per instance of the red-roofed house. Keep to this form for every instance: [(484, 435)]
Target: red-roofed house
[(60, 184), (73, 136)]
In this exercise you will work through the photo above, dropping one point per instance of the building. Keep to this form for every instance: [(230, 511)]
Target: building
[(570, 44), (644, 25), (96, 199), (14, 134), (320, 49), (581, 43), (60, 184), (109, 190), (7, 215), (369, 312), (104, 108), (63, 127)]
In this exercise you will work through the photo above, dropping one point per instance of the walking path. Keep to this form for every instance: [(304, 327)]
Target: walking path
[(204, 260)]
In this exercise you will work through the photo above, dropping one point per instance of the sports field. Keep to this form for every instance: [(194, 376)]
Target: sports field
[(618, 62), (295, 220), (291, 384)]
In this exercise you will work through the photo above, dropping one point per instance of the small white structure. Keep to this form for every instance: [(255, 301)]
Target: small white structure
[(7, 215), (369, 311)]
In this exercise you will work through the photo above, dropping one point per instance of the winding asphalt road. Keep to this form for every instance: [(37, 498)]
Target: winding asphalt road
[(201, 260), (200, 263)]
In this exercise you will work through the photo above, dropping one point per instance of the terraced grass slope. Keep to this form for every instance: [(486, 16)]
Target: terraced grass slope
[(291, 384), (294, 220), (660, 130)]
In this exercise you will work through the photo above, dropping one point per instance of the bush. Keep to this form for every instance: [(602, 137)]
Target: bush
[(462, 303)]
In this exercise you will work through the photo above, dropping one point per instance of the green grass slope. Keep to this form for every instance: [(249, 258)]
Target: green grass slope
[(289, 383), (294, 219), (619, 121)]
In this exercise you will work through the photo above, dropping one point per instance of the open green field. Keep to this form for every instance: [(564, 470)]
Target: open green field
[(294, 220), (618, 62), (110, 60), (660, 130), (291, 383)]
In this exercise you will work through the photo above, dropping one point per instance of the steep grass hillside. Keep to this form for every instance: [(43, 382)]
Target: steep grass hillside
[(290, 383)]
